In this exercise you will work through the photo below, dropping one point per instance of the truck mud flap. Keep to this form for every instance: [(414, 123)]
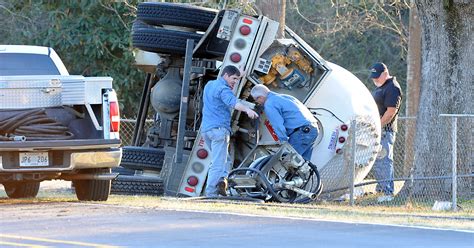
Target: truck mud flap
[(137, 185), (142, 158)]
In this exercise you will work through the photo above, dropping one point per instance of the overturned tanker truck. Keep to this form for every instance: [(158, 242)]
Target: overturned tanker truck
[(181, 49)]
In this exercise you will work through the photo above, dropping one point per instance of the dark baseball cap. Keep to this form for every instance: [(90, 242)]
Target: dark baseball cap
[(377, 69)]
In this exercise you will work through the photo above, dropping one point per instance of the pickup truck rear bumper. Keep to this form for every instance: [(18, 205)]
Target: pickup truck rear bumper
[(63, 156), (101, 159), (71, 160)]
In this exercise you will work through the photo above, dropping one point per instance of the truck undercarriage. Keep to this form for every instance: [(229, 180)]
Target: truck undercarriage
[(262, 167)]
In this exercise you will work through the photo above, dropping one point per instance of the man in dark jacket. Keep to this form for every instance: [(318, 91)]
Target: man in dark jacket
[(388, 96)]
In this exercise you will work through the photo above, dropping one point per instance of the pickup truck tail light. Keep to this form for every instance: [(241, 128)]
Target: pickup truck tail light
[(114, 114), (114, 117)]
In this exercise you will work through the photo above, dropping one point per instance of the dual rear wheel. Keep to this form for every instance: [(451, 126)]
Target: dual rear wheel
[(165, 27)]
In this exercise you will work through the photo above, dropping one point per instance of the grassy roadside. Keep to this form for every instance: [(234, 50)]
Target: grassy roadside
[(401, 215), (322, 211)]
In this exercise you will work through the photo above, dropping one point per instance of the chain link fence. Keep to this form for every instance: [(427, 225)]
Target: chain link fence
[(127, 127), (445, 184), (407, 183)]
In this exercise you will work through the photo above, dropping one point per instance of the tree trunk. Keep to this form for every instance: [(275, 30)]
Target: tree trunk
[(446, 88), (275, 10), (413, 86)]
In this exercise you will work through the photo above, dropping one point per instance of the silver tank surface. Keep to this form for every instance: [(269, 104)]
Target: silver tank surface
[(165, 95)]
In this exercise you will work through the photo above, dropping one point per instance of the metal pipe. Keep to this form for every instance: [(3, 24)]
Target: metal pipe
[(352, 168), (401, 179), (456, 115), (19, 138), (297, 182), (454, 162), (142, 110), (308, 194), (183, 109), (109, 176)]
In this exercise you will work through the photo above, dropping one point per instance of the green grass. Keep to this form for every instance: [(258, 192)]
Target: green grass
[(320, 211), (367, 209)]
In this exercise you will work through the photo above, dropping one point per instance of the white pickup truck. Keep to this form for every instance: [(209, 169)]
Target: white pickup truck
[(54, 125)]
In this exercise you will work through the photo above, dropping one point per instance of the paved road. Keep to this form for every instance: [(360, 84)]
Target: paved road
[(80, 225)]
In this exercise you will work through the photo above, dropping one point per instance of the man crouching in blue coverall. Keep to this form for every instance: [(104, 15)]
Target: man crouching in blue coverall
[(290, 119), (219, 100)]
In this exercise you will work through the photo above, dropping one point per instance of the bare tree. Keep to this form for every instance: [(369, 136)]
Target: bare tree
[(275, 10), (413, 84), (446, 87)]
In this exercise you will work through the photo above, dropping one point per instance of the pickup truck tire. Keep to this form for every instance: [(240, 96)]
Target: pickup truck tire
[(93, 190), (21, 189), (176, 14), (137, 185), (160, 40), (142, 158)]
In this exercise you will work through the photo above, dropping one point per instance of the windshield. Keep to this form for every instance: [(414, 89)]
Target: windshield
[(21, 64)]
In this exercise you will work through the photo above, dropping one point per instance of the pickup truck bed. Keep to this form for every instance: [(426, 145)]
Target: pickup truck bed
[(55, 126)]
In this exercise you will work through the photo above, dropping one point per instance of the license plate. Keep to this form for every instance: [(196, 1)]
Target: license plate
[(34, 159)]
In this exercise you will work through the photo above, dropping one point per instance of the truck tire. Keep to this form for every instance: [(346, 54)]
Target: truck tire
[(137, 185), (138, 25), (182, 15), (93, 190), (160, 40), (17, 190), (142, 158)]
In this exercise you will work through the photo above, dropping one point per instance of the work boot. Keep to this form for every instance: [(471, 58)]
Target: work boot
[(222, 187)]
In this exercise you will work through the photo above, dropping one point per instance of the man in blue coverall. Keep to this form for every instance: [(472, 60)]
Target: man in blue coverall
[(290, 119), (219, 100), (388, 97)]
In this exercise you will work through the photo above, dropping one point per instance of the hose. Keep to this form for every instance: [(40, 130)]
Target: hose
[(262, 179), (268, 186), (32, 125)]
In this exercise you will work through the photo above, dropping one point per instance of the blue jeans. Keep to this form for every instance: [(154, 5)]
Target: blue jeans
[(217, 139), (383, 166), (303, 142)]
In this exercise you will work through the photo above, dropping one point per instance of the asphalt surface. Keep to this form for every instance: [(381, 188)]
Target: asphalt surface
[(76, 224)]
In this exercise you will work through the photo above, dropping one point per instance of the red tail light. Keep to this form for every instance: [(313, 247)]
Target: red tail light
[(202, 153), (245, 30), (193, 181), (235, 57), (344, 127), (248, 21), (114, 115)]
